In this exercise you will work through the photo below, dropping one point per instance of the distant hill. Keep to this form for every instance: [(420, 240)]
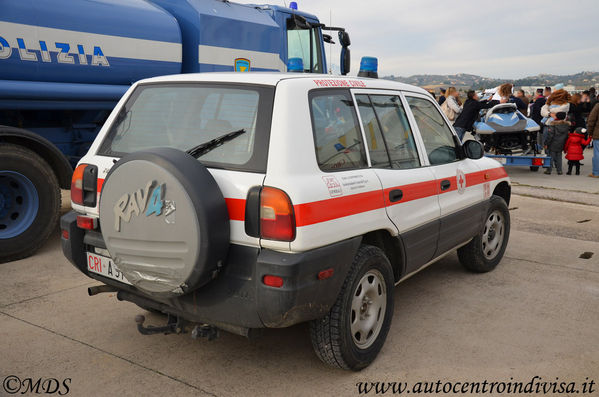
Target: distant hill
[(470, 81)]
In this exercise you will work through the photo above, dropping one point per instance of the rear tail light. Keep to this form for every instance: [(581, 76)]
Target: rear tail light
[(277, 220), (273, 281), (86, 222), (84, 185), (77, 185), (537, 161)]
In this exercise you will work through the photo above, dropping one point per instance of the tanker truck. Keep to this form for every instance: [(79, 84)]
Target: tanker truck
[(64, 64)]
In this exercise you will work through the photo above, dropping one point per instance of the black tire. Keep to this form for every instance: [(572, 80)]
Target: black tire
[(472, 256), (534, 168), (332, 336), (26, 163)]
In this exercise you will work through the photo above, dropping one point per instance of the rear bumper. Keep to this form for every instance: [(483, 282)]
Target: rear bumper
[(238, 297)]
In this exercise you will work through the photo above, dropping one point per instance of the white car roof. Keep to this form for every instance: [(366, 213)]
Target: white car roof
[(321, 80)]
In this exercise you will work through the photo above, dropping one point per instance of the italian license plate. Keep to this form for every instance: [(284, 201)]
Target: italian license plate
[(104, 266)]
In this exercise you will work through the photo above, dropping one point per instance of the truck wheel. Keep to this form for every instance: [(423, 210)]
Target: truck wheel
[(485, 251), (351, 335), (29, 202), (534, 168)]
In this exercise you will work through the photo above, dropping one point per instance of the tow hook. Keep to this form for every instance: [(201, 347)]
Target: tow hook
[(204, 331), (174, 325)]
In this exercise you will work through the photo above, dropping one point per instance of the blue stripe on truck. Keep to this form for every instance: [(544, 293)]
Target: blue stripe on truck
[(119, 71), (37, 90)]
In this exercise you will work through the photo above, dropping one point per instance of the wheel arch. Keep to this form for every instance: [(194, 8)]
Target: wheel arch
[(503, 190), (44, 148), (393, 248)]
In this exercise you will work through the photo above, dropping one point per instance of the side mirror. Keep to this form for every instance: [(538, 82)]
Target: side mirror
[(345, 61), (344, 39), (473, 149)]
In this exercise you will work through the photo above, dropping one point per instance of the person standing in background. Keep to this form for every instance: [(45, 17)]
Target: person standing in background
[(593, 130), (472, 107), (574, 149), (558, 101), (504, 94), (555, 139), (442, 97), (451, 106), (520, 94), (537, 104), (578, 109)]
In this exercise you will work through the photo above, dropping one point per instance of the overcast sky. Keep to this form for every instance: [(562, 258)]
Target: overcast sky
[(492, 38)]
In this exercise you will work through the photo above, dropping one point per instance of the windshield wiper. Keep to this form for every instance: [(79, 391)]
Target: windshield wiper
[(206, 147)]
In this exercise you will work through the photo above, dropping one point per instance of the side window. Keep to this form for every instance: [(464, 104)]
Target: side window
[(305, 44), (336, 133), (436, 134), (388, 132), (374, 138)]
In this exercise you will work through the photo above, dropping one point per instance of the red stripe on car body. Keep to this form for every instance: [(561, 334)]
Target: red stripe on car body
[(340, 207)]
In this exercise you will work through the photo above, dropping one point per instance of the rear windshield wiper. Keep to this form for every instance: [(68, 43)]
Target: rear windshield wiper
[(206, 147)]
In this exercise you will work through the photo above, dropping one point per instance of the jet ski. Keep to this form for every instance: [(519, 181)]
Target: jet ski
[(502, 129)]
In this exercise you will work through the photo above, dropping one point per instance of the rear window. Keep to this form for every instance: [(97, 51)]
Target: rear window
[(183, 116)]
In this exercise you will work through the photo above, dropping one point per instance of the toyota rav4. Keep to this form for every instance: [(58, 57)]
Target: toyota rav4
[(245, 201)]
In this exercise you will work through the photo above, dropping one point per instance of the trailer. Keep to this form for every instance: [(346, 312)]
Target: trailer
[(534, 162), (64, 65)]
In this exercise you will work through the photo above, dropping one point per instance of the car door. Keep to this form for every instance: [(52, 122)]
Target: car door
[(409, 189), (460, 194)]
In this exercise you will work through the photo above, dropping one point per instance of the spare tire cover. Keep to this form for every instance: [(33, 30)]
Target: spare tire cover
[(165, 221)]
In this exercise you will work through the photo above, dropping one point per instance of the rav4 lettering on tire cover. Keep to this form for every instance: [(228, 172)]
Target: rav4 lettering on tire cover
[(141, 201)]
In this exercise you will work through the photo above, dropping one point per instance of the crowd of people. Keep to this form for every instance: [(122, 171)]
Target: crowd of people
[(569, 123)]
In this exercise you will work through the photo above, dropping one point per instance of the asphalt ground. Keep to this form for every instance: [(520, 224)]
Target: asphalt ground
[(537, 314)]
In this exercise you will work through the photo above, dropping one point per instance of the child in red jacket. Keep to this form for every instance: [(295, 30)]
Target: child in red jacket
[(574, 148)]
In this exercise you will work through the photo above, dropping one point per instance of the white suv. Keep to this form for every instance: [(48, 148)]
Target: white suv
[(312, 197)]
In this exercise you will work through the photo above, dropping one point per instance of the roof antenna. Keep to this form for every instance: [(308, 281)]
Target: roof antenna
[(330, 45)]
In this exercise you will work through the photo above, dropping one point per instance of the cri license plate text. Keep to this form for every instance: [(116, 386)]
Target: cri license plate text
[(105, 266)]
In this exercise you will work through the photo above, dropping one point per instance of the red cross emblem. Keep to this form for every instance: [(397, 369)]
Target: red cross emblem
[(461, 181)]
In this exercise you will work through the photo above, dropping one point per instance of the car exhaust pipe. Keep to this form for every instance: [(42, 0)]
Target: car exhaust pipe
[(98, 289)]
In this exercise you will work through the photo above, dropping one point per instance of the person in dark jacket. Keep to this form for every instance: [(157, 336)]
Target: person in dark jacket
[(537, 104), (442, 96), (520, 94), (555, 140), (578, 109), (470, 112)]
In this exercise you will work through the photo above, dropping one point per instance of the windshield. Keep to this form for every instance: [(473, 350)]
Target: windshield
[(183, 116), (305, 44)]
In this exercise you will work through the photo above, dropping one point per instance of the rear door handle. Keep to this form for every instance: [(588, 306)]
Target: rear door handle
[(445, 184), (395, 195)]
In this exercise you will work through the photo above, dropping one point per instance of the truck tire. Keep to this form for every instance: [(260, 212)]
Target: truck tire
[(365, 301), (534, 168), (29, 202), (165, 221), (486, 249)]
